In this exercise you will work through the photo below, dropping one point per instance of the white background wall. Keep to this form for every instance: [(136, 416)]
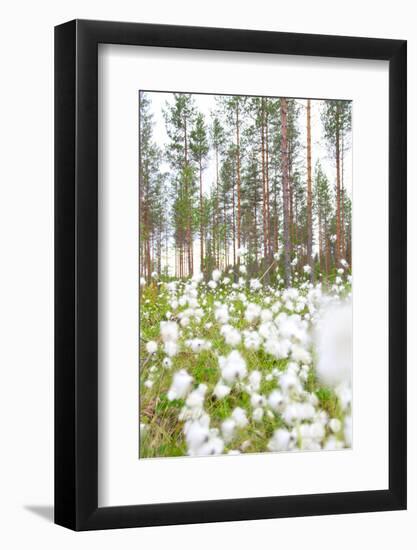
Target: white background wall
[(26, 271)]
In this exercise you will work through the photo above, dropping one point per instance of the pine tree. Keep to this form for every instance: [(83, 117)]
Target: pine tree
[(199, 149), (234, 109), (285, 190), (150, 183), (217, 141), (336, 118), (324, 211), (309, 195), (179, 118)]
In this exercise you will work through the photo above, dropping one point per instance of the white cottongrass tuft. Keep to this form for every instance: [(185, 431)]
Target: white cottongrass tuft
[(233, 367), (181, 385), (258, 414), (276, 401), (231, 335), (169, 331), (255, 378), (171, 348), (239, 416), (228, 429), (221, 390), (255, 284), (221, 314), (151, 347), (252, 313), (333, 339), (216, 275), (196, 397), (335, 425), (252, 340), (282, 440)]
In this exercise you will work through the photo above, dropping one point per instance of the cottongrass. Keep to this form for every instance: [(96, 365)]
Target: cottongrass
[(236, 367)]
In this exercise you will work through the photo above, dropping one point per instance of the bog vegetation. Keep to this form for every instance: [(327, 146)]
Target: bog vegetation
[(245, 280)]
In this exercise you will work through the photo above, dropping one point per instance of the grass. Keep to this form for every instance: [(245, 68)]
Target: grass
[(162, 435)]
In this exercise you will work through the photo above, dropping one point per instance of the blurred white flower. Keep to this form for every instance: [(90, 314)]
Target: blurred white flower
[(231, 335), (233, 366), (198, 277), (266, 315), (171, 348), (276, 401), (298, 353), (196, 435), (258, 414), (214, 446), (255, 284), (333, 340), (180, 386), (169, 331), (196, 397), (255, 378), (221, 390), (252, 312), (228, 428), (257, 400), (252, 340), (198, 344), (282, 440), (151, 347), (239, 416), (279, 349), (216, 275), (335, 425), (222, 314), (167, 363)]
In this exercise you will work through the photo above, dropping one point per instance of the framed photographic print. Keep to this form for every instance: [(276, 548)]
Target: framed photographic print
[(230, 275)]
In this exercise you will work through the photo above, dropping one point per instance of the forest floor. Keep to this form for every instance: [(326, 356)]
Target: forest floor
[(244, 367)]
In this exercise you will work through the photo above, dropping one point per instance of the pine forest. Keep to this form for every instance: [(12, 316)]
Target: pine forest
[(245, 274)]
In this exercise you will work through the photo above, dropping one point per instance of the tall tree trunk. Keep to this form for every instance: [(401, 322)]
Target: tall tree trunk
[(234, 223), (189, 244), (309, 195), (343, 229), (285, 190), (264, 220), (226, 259), (238, 177), (327, 251), (320, 241), (216, 228), (201, 220), (337, 251), (268, 210)]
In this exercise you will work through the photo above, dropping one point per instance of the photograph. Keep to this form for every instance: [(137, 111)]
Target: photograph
[(245, 274)]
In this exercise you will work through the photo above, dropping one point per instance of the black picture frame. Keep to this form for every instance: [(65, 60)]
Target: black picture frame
[(76, 272)]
